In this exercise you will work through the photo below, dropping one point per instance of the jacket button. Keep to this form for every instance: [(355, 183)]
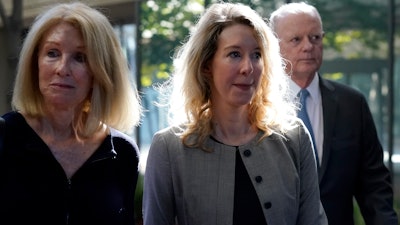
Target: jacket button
[(258, 179), (247, 153), (267, 205)]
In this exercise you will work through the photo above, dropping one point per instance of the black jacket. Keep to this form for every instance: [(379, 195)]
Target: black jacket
[(35, 190), (352, 164)]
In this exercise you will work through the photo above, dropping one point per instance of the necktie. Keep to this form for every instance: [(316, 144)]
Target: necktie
[(303, 115)]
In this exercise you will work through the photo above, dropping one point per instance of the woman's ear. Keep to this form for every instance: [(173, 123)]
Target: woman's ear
[(207, 69)]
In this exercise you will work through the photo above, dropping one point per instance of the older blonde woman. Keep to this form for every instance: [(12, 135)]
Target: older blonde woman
[(66, 159)]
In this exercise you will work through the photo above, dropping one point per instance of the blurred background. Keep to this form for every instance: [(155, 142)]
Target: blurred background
[(361, 49)]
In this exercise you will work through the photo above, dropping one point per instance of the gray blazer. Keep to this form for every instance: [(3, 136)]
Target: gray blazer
[(189, 186)]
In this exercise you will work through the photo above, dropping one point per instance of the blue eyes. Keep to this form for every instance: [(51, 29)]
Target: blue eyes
[(79, 57), (234, 54), (237, 54), (52, 54)]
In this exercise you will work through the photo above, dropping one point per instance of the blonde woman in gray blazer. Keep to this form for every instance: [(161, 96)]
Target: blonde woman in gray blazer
[(235, 154)]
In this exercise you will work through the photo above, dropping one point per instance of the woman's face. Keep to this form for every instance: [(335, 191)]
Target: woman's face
[(64, 77), (236, 67)]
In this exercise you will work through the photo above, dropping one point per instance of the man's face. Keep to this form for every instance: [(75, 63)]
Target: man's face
[(300, 38)]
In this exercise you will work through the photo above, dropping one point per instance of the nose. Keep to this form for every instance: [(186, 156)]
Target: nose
[(63, 67), (307, 44), (247, 66)]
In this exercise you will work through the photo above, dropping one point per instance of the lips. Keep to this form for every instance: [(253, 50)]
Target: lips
[(307, 59), (61, 85), (243, 86)]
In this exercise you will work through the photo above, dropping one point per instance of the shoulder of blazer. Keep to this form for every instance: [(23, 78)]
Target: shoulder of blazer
[(292, 141), (338, 88)]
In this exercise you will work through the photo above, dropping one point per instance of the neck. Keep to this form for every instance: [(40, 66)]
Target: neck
[(303, 81), (234, 133)]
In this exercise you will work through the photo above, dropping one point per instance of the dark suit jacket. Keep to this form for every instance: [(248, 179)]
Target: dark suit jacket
[(352, 163)]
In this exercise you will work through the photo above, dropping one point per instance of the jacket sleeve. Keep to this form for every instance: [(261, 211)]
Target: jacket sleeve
[(311, 210), (158, 196), (374, 194)]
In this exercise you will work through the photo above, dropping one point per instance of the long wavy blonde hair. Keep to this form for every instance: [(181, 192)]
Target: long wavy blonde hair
[(189, 99)]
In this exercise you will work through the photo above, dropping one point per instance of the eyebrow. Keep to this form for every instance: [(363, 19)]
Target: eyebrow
[(238, 47), (57, 43)]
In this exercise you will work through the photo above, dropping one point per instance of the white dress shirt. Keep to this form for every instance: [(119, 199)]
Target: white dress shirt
[(314, 110)]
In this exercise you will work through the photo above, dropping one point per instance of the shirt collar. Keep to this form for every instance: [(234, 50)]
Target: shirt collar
[(313, 88)]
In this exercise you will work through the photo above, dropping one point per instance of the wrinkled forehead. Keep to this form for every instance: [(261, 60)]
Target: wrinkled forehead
[(297, 23)]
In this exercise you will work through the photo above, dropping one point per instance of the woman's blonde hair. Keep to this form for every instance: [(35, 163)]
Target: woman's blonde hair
[(113, 101), (190, 103)]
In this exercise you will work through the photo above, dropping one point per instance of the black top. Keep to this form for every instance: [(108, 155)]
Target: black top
[(247, 208), (35, 190)]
